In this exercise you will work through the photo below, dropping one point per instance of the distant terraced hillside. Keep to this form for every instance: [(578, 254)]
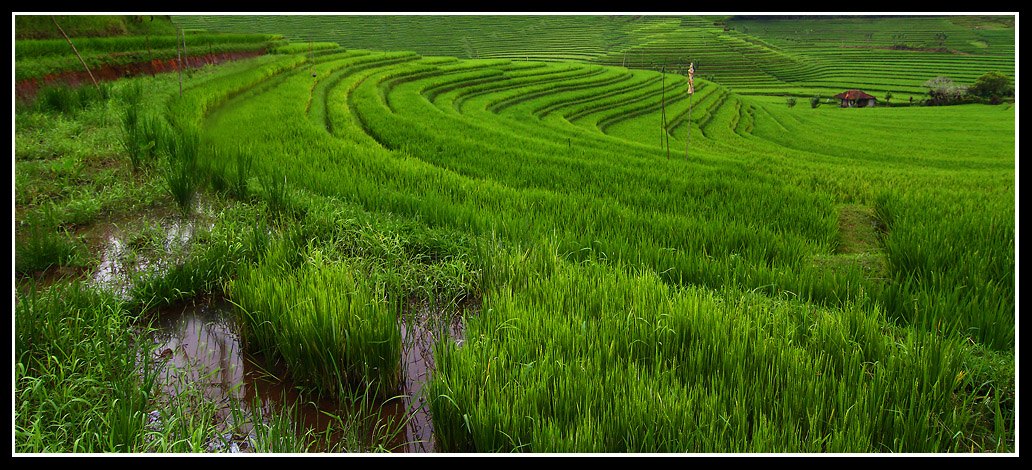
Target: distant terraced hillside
[(753, 55), (462, 36), (881, 54)]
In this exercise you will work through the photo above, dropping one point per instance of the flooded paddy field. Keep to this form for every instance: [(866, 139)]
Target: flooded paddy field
[(190, 340), (199, 357), (197, 348)]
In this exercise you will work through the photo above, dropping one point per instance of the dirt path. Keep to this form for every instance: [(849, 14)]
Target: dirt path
[(858, 244), (858, 230)]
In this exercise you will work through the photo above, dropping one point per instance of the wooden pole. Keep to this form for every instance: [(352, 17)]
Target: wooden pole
[(691, 91), (179, 56), (94, 80), (662, 125), (688, 139)]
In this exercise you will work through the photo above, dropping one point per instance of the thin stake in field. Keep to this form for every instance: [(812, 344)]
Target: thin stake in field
[(691, 91), (179, 57), (662, 125), (94, 80)]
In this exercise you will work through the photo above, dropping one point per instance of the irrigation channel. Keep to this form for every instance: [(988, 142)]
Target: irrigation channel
[(198, 351)]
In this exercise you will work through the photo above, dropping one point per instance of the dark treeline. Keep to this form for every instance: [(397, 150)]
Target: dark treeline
[(805, 17)]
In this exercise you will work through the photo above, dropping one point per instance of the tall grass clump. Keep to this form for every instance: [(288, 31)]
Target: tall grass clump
[(180, 170), (66, 99), (953, 265), (334, 329), (132, 136), (42, 243), (143, 134), (77, 384)]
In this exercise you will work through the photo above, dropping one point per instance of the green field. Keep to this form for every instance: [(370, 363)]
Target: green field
[(653, 271)]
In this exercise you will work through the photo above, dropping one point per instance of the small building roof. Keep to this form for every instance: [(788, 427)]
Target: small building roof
[(853, 95)]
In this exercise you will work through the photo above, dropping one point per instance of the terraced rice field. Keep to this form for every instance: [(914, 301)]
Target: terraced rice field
[(573, 156), (657, 272)]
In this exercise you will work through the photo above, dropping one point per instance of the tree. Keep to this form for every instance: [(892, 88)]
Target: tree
[(899, 41), (992, 86), (942, 91)]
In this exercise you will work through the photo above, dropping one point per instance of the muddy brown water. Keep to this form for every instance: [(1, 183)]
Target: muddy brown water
[(131, 247), (199, 344)]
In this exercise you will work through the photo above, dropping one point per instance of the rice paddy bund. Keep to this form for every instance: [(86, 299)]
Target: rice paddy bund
[(635, 269)]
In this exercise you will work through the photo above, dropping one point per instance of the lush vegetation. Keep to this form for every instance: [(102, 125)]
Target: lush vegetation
[(78, 26), (111, 41), (790, 279)]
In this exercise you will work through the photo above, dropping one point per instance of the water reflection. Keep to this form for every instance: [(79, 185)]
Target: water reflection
[(422, 326), (200, 345), (130, 247)]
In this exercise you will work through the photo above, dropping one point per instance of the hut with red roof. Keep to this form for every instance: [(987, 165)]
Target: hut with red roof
[(855, 99)]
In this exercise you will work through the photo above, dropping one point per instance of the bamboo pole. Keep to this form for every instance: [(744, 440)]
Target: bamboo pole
[(662, 125), (688, 124), (179, 56), (94, 80), (691, 91)]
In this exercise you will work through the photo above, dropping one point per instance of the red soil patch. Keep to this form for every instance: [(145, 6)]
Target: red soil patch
[(27, 89)]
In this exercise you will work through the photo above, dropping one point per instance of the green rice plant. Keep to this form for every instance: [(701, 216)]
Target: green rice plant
[(961, 278), (278, 433), (41, 243), (379, 105), (143, 134), (132, 92), (244, 162), (65, 99), (91, 26), (218, 181), (76, 382), (131, 136), (33, 49), (180, 169), (324, 319), (580, 358), (631, 302), (276, 193), (229, 172)]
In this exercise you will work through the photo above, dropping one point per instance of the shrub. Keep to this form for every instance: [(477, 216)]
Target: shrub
[(992, 86), (942, 91)]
